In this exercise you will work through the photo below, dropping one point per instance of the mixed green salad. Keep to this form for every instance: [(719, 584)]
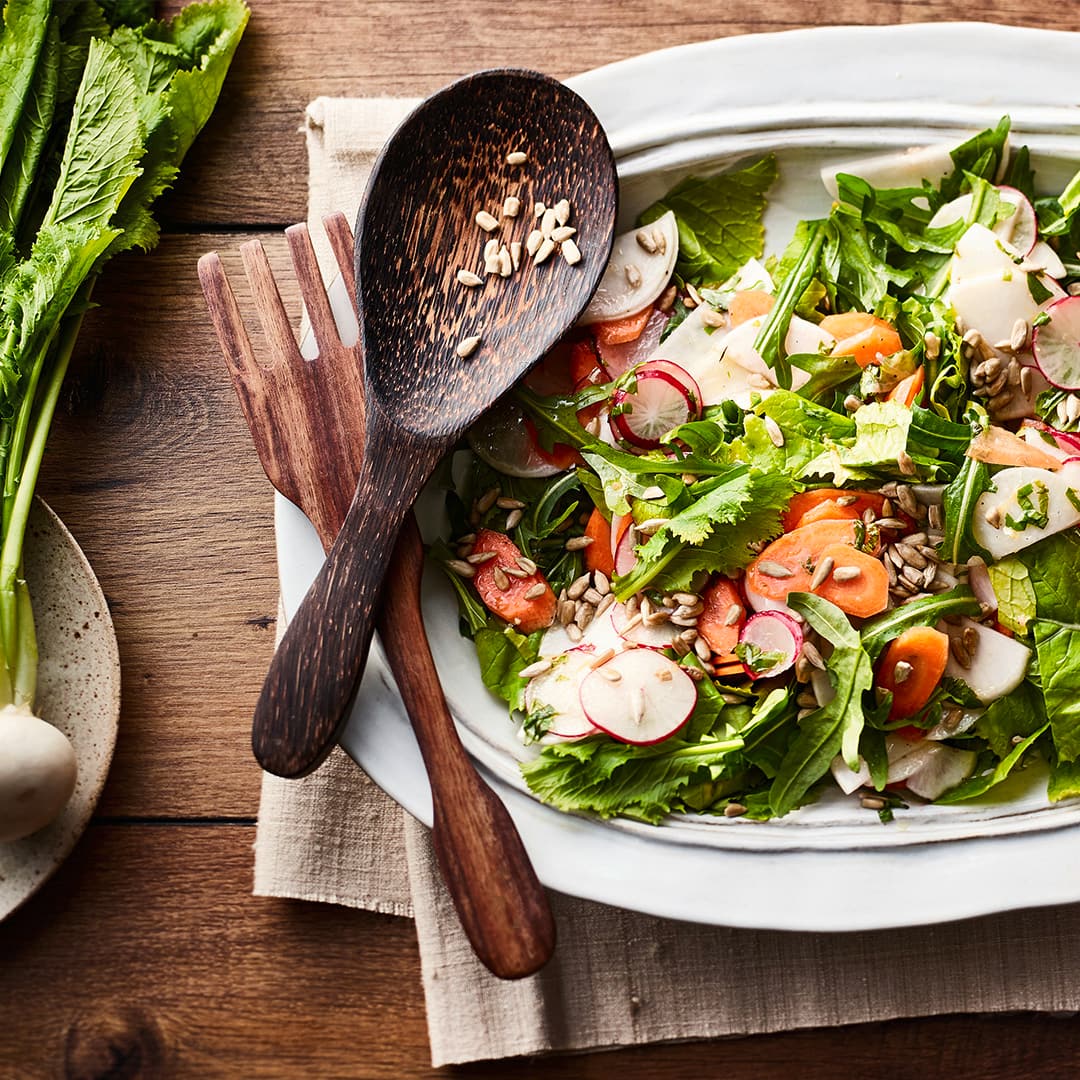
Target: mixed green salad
[(760, 528)]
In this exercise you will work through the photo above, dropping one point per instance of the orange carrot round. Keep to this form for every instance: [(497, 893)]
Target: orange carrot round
[(620, 331), (830, 504), (749, 304), (722, 617), (862, 594), (524, 613), (598, 554), (925, 652), (862, 336)]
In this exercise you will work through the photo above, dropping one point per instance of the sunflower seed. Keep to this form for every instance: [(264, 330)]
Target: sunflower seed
[(911, 555), (516, 157), (734, 614), (601, 583), (538, 209), (774, 569), (971, 638), (734, 809), (889, 523), (539, 668), (612, 674), (511, 206), (487, 222), (690, 611), (584, 616), (802, 669), (890, 569), (693, 295), (871, 802), (547, 246), (562, 211), (1025, 381), (645, 241), (578, 543), (567, 608), (487, 500), (467, 277), (667, 299), (822, 572), (548, 224), (536, 590), (480, 557), (467, 346), (577, 587), (513, 519), (527, 565), (562, 233), (461, 568), (868, 516), (852, 403), (573, 632), (1072, 408), (592, 596), (902, 672), (605, 603), (516, 572), (847, 500), (812, 656), (846, 573), (960, 652), (905, 464), (685, 597), (906, 498), (533, 241), (571, 252), (713, 318), (772, 429), (807, 700), (701, 649)]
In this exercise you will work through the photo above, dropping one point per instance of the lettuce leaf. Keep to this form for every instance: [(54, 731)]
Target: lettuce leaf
[(25, 25), (720, 220), (1015, 594), (503, 654), (981, 784)]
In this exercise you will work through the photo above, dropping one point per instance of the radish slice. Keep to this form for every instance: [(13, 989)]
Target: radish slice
[(1057, 344), (1019, 231), (1057, 494), (770, 632), (941, 770), (1044, 441), (760, 602), (1042, 254), (656, 636), (981, 585), (625, 556), (559, 689), (619, 359), (1067, 441), (501, 438), (998, 664), (658, 404), (631, 261), (600, 635), (638, 697), (680, 374)]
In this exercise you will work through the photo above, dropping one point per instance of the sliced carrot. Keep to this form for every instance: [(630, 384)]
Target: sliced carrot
[(749, 304), (799, 552), (998, 446), (586, 367), (524, 613), (830, 504), (598, 555), (620, 331), (863, 595), (561, 455), (862, 336), (926, 652), (715, 624), (907, 391), (728, 670)]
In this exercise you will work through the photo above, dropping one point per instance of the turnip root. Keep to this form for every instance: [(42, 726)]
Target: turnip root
[(37, 772)]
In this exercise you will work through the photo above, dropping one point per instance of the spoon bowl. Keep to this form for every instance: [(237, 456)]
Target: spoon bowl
[(456, 156)]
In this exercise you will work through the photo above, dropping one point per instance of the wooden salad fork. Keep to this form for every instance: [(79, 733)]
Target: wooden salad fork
[(307, 420)]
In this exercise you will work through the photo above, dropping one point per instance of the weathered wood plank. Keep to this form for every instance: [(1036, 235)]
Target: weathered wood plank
[(251, 167)]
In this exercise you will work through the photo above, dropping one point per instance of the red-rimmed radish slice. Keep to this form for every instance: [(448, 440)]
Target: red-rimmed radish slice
[(638, 697), (1056, 344), (658, 404), (637, 272), (625, 555), (677, 372), (660, 635), (1038, 435), (619, 359), (771, 632), (1068, 441), (502, 439), (941, 770), (559, 689)]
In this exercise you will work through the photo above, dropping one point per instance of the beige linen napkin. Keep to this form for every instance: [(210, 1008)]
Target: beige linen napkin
[(618, 978)]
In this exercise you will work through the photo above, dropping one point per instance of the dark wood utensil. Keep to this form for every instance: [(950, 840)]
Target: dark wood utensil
[(306, 418), (446, 162)]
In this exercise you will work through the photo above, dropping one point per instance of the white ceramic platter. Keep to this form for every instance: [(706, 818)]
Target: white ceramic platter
[(702, 108), (78, 691)]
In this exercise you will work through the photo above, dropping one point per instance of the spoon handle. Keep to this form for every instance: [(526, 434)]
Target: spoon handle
[(501, 903), (316, 669)]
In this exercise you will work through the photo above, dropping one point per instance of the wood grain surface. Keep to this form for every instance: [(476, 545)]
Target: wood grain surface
[(146, 956)]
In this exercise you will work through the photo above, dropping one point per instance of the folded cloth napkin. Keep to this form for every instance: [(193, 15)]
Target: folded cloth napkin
[(618, 978)]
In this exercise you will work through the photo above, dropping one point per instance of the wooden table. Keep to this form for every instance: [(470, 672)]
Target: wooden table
[(146, 956)]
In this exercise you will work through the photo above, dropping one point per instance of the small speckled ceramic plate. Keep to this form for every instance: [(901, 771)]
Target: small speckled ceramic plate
[(78, 691)]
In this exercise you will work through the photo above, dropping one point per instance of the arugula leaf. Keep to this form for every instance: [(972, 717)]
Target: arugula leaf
[(503, 653), (878, 631), (961, 496), (607, 778), (980, 785), (855, 266), (1015, 595), (720, 220), (835, 727), (770, 340), (980, 156)]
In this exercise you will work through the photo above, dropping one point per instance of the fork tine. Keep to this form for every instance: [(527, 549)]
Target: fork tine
[(225, 315), (341, 240), (311, 286), (275, 320)]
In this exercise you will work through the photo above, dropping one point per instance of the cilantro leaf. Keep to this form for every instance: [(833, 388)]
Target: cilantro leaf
[(720, 219)]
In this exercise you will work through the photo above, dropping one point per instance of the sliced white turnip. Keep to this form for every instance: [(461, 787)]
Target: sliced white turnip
[(1019, 231), (751, 275), (968, 719), (998, 664), (619, 359), (1042, 254), (502, 439), (1019, 493), (981, 585), (770, 633), (659, 402), (904, 168), (559, 690), (942, 770), (639, 697), (659, 635), (637, 272), (905, 756), (760, 602), (1056, 344)]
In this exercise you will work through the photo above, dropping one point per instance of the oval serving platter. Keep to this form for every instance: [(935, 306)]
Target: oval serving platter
[(702, 108), (78, 691)]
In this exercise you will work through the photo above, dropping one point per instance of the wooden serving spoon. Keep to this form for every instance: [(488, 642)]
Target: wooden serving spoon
[(416, 229)]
